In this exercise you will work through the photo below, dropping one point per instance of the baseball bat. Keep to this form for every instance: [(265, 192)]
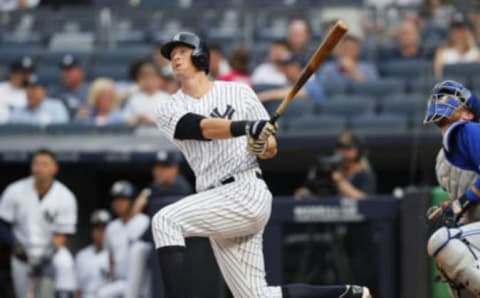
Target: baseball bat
[(324, 49)]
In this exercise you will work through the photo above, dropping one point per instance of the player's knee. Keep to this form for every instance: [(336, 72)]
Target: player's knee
[(452, 255)]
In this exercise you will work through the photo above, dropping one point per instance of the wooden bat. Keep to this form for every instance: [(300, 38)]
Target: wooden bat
[(324, 49)]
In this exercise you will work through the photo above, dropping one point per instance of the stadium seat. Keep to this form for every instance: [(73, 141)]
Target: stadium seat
[(7, 55), (49, 74), (461, 69), (263, 87), (410, 108), (347, 107), (16, 129), (297, 108), (378, 88), (53, 58), (115, 128), (383, 123), (418, 96), (406, 69), (317, 125), (121, 55), (69, 128), (423, 85), (113, 71), (334, 88)]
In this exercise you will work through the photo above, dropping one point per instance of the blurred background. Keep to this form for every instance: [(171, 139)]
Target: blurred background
[(75, 77)]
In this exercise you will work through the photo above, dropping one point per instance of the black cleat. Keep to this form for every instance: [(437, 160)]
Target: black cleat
[(356, 292)]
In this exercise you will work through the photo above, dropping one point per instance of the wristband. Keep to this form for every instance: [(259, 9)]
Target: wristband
[(471, 195), (238, 128)]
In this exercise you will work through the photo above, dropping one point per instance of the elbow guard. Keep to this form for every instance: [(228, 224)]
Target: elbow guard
[(188, 128)]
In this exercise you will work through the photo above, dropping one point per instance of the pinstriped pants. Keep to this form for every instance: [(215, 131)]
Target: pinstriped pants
[(233, 217)]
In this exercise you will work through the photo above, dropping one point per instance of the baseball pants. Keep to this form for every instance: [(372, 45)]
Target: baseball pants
[(233, 216)]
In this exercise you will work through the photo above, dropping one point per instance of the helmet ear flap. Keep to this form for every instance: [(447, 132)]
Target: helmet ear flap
[(201, 57)]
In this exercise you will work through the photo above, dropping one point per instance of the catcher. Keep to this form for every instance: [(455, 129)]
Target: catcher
[(455, 109)]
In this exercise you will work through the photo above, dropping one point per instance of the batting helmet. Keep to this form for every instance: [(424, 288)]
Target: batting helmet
[(448, 96), (122, 188), (100, 217), (200, 54)]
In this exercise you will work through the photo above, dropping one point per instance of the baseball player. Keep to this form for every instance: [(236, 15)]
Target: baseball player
[(40, 212), (92, 262), (120, 235), (452, 107), (221, 128)]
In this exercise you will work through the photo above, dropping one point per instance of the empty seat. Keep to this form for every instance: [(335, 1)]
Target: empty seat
[(406, 69), (297, 108), (461, 69), (69, 128), (410, 108), (113, 71), (19, 129), (124, 55), (347, 107), (383, 123), (50, 75), (317, 125), (423, 85), (379, 88), (53, 58), (334, 88), (115, 128), (263, 87)]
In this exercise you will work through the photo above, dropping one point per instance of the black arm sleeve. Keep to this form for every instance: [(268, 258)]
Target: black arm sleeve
[(188, 128), (6, 235)]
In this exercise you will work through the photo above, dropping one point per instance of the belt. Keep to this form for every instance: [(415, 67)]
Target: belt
[(232, 179)]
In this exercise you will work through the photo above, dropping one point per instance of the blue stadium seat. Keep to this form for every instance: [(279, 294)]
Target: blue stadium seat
[(334, 88), (347, 107), (374, 124), (113, 71), (7, 55), (406, 69), (17, 129), (49, 74), (69, 128), (379, 88), (53, 58), (121, 55), (297, 108), (461, 69), (423, 85), (115, 128), (418, 96), (263, 87), (317, 125), (410, 108)]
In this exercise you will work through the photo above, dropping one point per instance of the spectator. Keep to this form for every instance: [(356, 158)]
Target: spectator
[(139, 108), (121, 234), (269, 72), (352, 176), (218, 64), (459, 48), (168, 82), (298, 38), (73, 90), (292, 68), (407, 46), (158, 59), (102, 105), (11, 5), (40, 110), (12, 92), (92, 262), (239, 61), (347, 66)]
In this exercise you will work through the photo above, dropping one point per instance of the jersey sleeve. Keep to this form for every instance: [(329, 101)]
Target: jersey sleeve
[(254, 109), (66, 220), (469, 143), (7, 205), (167, 114)]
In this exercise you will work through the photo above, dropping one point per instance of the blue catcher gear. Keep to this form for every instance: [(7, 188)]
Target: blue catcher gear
[(448, 96)]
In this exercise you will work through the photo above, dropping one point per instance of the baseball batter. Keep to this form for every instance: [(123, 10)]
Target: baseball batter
[(41, 212), (221, 128), (92, 262), (454, 108)]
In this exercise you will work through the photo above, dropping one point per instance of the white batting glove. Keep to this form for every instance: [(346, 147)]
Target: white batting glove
[(256, 147), (260, 130)]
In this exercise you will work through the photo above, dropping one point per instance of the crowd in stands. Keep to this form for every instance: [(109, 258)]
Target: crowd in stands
[(80, 98)]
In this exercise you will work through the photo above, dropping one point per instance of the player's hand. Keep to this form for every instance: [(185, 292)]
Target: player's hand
[(257, 147), (445, 217), (260, 130)]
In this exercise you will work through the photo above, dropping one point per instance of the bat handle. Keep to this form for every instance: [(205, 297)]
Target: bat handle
[(274, 118)]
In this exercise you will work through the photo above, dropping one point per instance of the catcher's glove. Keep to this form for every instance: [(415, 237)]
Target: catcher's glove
[(441, 216)]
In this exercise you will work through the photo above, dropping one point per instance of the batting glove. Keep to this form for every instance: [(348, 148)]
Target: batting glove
[(260, 129), (256, 147)]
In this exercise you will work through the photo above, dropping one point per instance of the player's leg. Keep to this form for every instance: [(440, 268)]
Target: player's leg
[(115, 289), (455, 255), (242, 264), (236, 209), (20, 277), (137, 277), (64, 273)]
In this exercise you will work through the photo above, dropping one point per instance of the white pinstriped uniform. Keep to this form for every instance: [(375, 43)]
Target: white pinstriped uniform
[(233, 215)]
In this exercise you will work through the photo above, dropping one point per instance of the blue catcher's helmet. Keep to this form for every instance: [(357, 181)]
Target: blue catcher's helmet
[(448, 96)]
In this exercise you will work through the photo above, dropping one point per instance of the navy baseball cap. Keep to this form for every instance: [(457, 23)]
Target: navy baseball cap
[(23, 64), (34, 81), (459, 21), (167, 158), (69, 61)]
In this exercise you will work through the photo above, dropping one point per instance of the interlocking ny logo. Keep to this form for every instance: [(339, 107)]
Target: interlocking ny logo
[(227, 115), (49, 217)]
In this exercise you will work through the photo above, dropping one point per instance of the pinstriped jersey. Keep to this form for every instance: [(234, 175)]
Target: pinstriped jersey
[(215, 160)]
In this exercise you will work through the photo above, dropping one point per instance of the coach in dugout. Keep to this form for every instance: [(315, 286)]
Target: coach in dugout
[(36, 215)]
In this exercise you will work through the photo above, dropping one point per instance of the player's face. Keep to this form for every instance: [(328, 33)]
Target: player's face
[(98, 233), (165, 173), (121, 206), (182, 65), (44, 168)]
